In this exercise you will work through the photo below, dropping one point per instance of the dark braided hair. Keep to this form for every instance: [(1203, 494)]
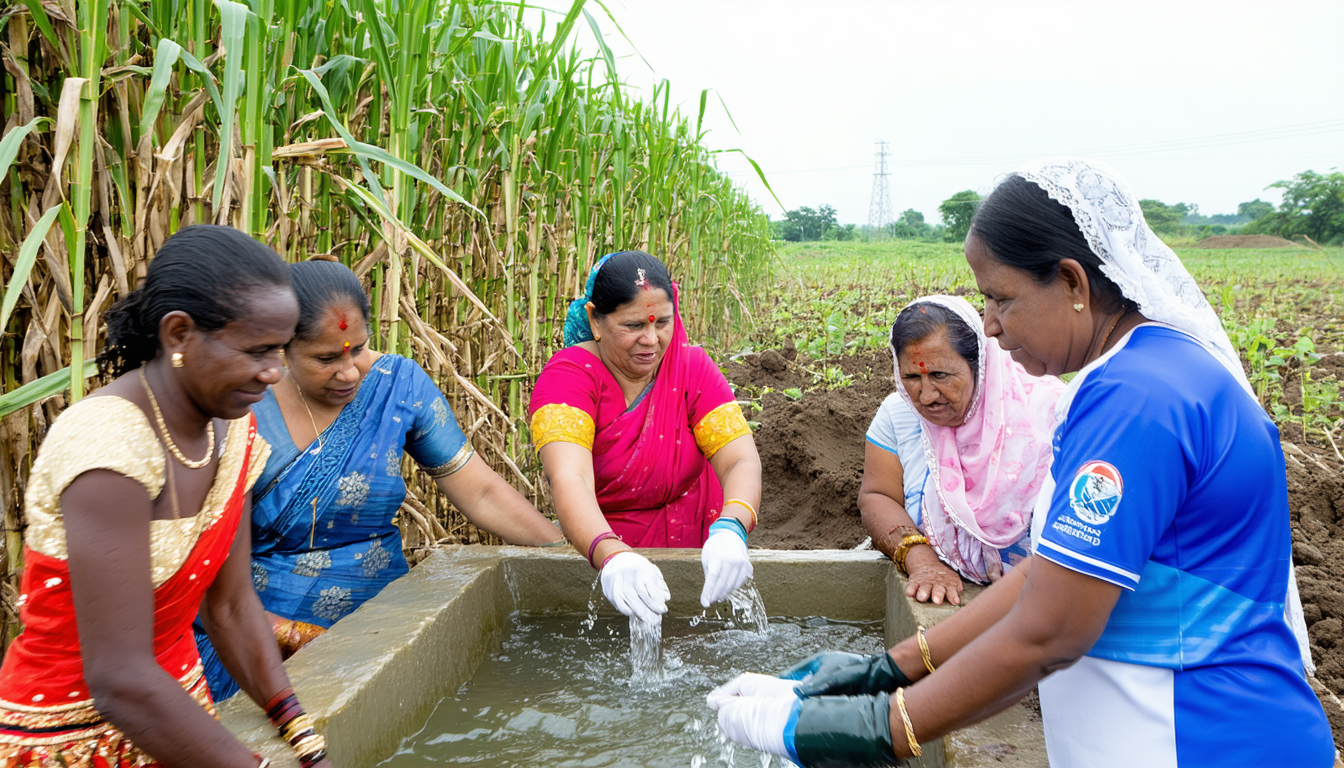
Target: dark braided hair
[(320, 283), (206, 271)]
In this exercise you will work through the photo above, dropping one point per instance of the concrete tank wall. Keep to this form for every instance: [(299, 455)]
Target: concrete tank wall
[(376, 676)]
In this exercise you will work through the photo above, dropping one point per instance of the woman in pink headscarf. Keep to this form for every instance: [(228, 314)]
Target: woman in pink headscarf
[(956, 456)]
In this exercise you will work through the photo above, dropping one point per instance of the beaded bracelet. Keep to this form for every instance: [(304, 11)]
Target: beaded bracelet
[(593, 546), (883, 543)]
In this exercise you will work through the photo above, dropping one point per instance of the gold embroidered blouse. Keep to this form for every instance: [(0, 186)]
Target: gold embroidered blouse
[(112, 433)]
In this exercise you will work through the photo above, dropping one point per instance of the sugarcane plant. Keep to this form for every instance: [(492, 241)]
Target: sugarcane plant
[(467, 159)]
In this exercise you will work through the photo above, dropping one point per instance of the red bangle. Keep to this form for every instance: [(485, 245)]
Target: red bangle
[(277, 698), (593, 547), (608, 558)]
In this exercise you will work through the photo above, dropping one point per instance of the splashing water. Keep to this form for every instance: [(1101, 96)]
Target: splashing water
[(558, 694), (748, 607), (646, 650)]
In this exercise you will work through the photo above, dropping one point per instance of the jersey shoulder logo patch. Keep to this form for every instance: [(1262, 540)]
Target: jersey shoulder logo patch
[(1096, 492)]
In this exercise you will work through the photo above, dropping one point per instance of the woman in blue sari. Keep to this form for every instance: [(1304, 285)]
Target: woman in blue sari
[(338, 423)]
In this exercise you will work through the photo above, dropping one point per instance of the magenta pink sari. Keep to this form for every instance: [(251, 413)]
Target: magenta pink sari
[(654, 484)]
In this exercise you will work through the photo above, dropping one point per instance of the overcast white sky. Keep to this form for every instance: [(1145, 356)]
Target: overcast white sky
[(1170, 93)]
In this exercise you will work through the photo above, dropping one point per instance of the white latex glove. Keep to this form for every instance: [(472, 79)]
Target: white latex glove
[(635, 586), (750, 684), (757, 721), (726, 565)]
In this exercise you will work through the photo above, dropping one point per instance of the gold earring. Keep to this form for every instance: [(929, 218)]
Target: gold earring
[(177, 360), (597, 337), (1077, 307)]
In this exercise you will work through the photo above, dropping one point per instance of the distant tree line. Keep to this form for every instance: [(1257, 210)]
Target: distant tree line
[(1313, 206)]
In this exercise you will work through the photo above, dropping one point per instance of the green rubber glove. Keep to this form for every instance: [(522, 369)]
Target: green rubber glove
[(846, 674), (834, 731)]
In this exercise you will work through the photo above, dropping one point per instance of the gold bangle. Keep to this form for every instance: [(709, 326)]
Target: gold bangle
[(311, 745), (298, 723), (750, 509), (910, 739), (924, 649), (908, 543)]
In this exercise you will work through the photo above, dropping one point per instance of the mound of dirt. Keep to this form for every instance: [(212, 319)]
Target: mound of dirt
[(1316, 504), (776, 369), (1245, 241), (812, 450)]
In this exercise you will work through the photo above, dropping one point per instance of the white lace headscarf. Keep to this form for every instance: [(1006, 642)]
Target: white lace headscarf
[(1142, 266), (1147, 272)]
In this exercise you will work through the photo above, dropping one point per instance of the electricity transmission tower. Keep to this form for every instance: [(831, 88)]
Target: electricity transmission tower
[(879, 210)]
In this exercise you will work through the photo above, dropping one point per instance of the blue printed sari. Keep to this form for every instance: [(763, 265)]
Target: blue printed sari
[(323, 540)]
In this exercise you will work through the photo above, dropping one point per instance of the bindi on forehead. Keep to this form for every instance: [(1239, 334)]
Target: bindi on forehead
[(922, 368)]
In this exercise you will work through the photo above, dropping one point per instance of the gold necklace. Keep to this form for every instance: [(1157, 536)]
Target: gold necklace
[(168, 439), (1102, 349), (312, 532)]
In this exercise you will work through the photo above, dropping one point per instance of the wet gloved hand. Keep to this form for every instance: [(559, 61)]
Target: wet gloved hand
[(750, 684), (724, 558), (635, 586), (846, 674), (816, 732), (759, 722)]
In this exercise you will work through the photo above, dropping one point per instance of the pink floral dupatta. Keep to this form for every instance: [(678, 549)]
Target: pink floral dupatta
[(984, 475), (654, 484)]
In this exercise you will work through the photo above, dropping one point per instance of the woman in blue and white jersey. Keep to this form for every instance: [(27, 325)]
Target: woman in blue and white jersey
[(1152, 613)]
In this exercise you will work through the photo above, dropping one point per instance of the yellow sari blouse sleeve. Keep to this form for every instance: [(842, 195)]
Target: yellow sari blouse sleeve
[(720, 427), (560, 423)]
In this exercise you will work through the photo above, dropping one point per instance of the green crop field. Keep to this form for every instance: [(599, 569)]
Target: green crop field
[(1283, 309)]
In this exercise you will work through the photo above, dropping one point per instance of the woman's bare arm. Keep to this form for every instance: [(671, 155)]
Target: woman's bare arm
[(882, 505), (569, 469), (239, 628), (1057, 617), (107, 531), (491, 503), (738, 467)]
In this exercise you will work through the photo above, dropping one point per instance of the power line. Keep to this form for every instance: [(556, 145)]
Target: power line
[(1123, 150)]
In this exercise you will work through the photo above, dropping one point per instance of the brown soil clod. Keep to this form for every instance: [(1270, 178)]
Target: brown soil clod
[(1246, 241)]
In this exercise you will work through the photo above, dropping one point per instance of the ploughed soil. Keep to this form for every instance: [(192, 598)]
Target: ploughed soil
[(812, 457), (1245, 241)]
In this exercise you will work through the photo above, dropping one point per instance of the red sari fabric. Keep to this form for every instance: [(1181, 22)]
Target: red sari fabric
[(654, 485), (47, 715)]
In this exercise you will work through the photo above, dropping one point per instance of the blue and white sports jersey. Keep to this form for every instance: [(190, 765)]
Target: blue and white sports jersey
[(1169, 482)]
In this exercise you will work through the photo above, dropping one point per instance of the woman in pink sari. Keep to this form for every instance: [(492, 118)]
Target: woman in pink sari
[(955, 458), (642, 441)]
